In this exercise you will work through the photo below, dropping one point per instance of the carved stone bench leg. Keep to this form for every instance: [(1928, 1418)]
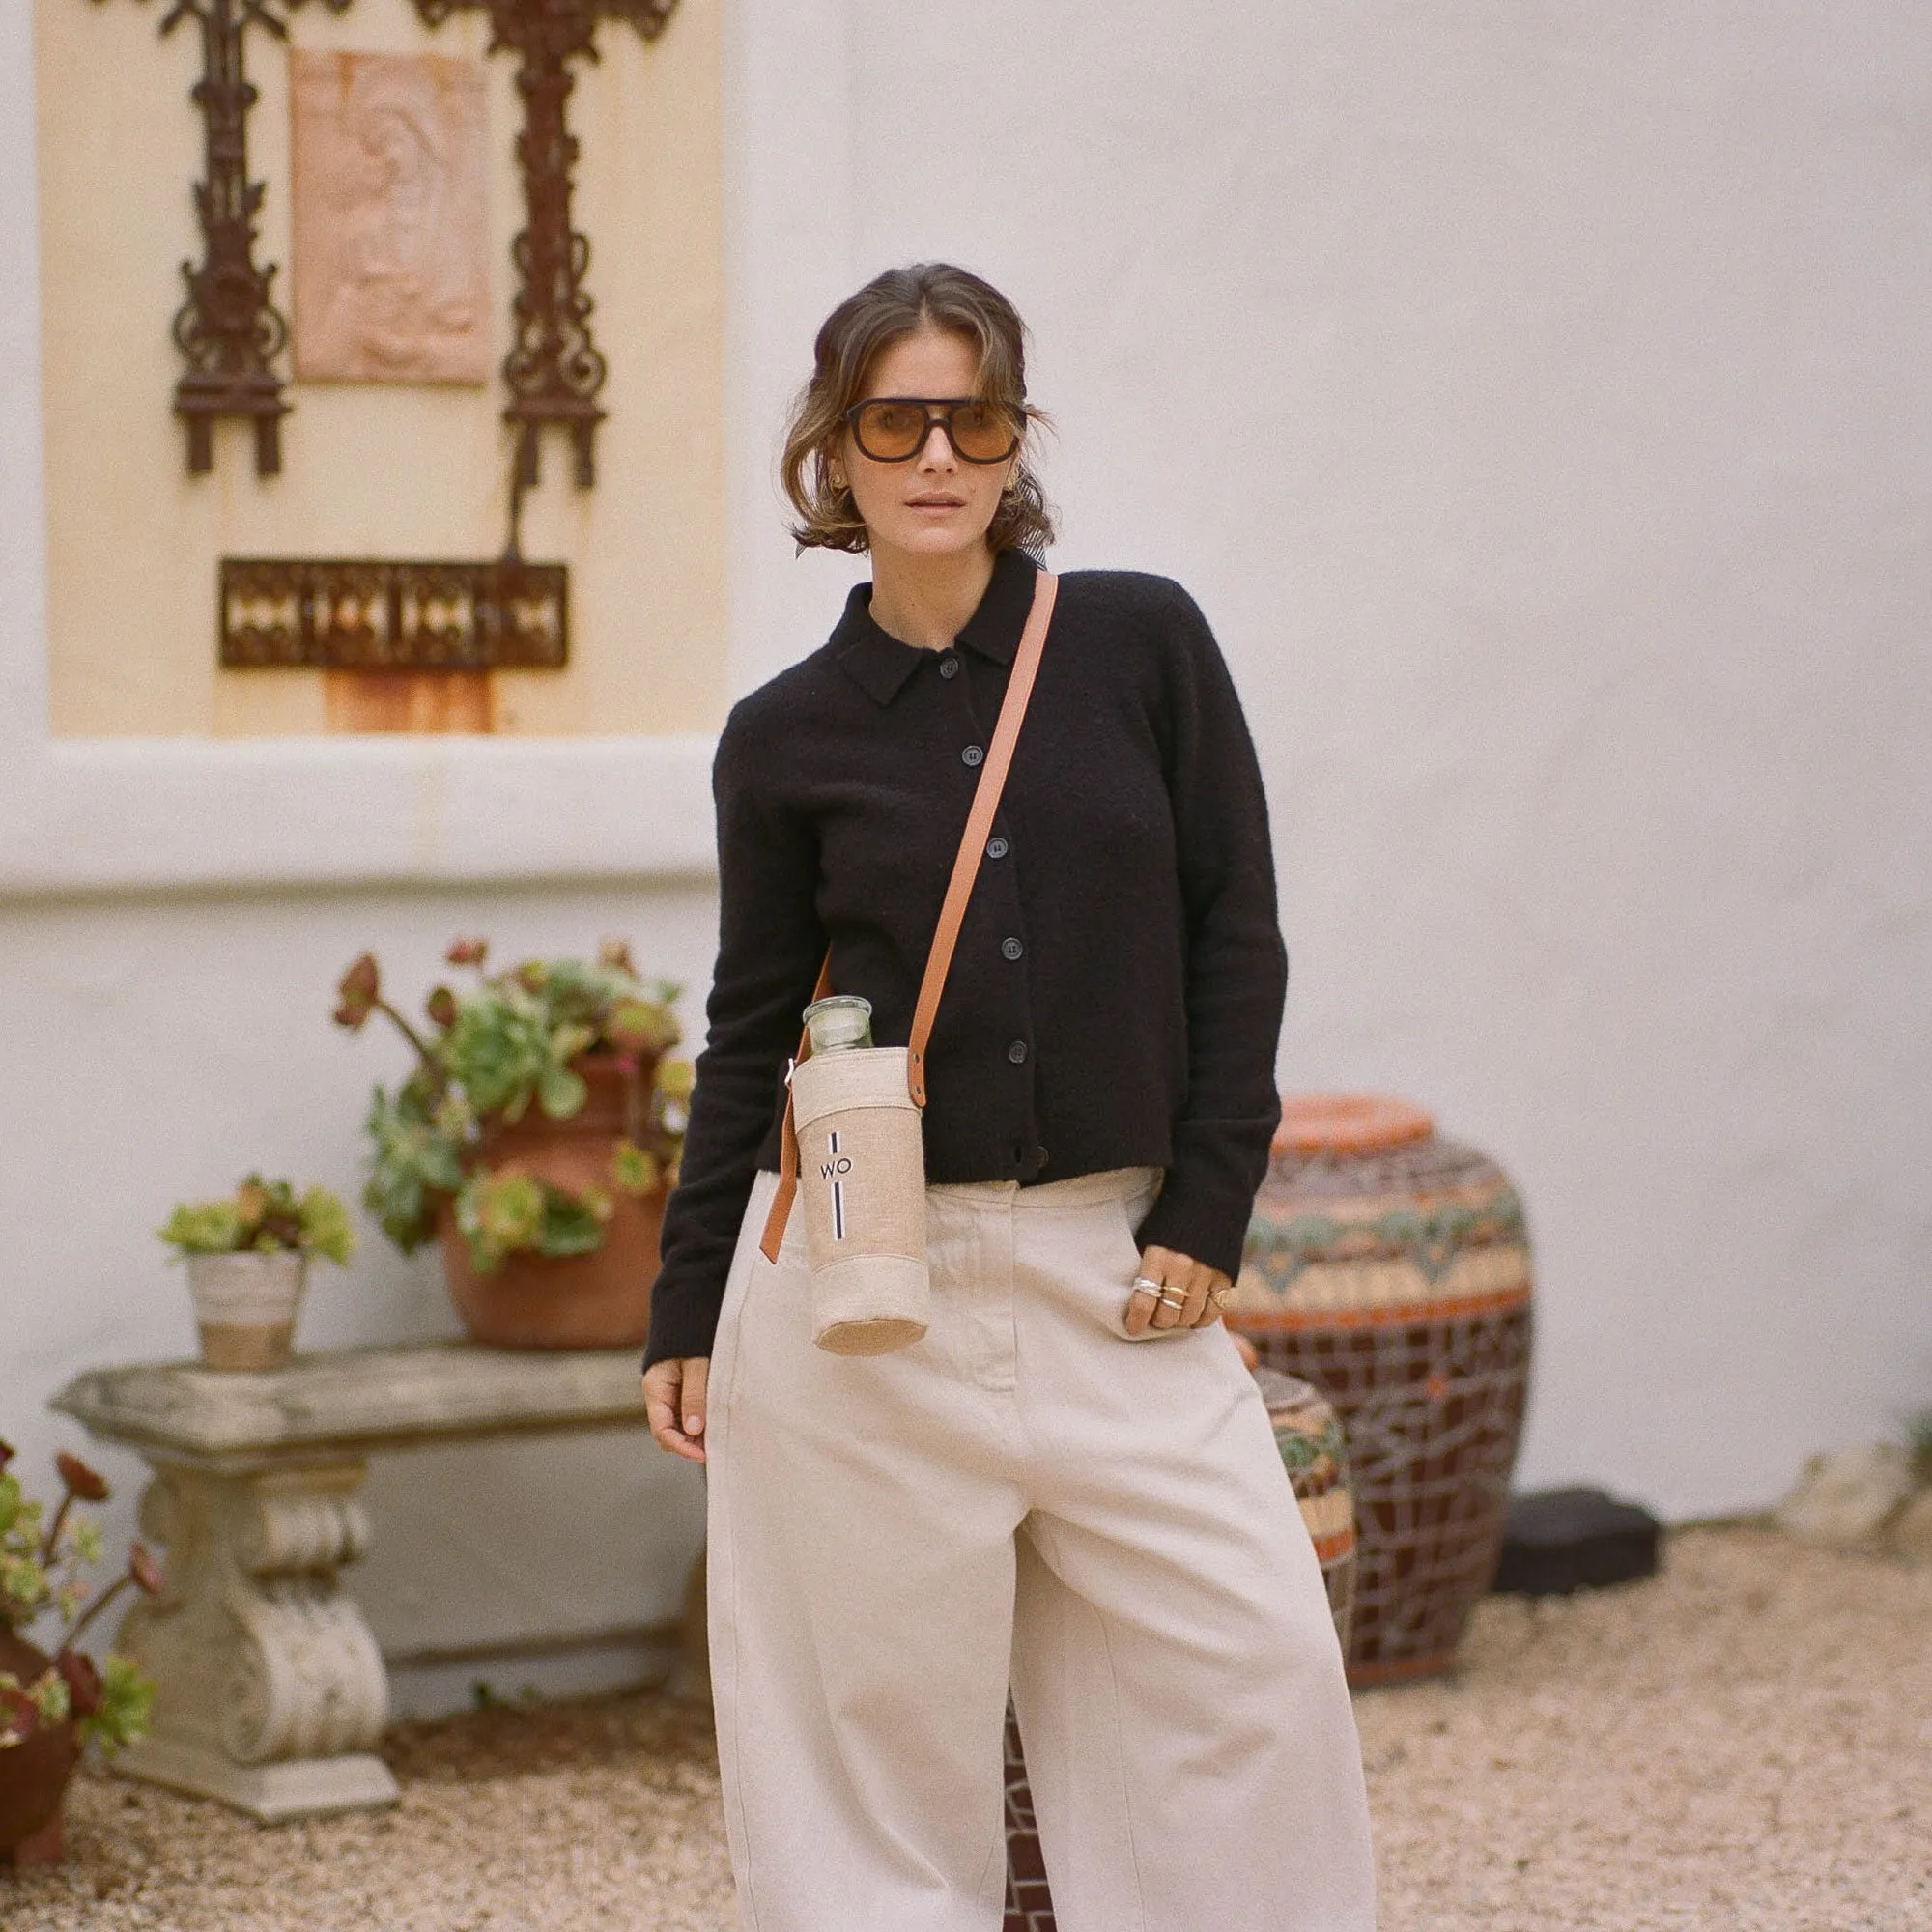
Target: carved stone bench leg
[(270, 1689)]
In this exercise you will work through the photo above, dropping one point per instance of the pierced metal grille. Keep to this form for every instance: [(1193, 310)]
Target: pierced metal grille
[(369, 615)]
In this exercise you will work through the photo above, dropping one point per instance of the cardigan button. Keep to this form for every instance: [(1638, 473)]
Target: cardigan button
[(973, 754), (949, 666), (1017, 1051), (1011, 948), (997, 848)]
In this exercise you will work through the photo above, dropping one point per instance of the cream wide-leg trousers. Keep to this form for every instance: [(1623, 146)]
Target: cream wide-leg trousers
[(1025, 1494)]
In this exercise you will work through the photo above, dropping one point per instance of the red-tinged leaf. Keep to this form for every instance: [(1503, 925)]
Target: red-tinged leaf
[(360, 987), (87, 1484), (83, 1682), (467, 951), (145, 1571)]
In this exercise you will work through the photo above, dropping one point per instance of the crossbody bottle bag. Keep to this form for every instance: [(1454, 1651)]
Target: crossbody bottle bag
[(851, 1133)]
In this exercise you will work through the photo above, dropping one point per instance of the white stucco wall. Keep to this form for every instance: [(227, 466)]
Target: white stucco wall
[(155, 1050), (1536, 400)]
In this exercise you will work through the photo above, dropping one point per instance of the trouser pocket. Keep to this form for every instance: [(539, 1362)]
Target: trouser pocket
[(1126, 1214)]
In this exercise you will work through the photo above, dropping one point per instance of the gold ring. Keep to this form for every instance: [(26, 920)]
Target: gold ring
[(1171, 1298), (1220, 1297)]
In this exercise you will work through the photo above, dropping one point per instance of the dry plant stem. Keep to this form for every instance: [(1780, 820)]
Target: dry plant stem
[(408, 1033), (50, 1542), (122, 1582)]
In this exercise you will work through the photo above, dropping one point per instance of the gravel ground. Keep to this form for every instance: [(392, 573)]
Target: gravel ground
[(1744, 1744)]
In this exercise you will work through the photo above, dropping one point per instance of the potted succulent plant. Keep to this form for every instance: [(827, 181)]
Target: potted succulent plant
[(52, 1705), (248, 1258), (537, 1137)]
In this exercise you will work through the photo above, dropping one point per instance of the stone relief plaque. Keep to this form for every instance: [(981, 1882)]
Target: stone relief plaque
[(391, 277)]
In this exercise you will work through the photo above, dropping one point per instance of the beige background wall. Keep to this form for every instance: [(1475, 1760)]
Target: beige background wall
[(367, 470)]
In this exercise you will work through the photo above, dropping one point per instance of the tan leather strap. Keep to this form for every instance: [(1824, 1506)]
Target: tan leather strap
[(952, 914), (978, 823)]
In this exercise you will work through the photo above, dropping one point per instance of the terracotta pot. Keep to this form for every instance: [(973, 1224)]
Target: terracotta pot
[(33, 1775), (1390, 1267), (601, 1300), (245, 1307)]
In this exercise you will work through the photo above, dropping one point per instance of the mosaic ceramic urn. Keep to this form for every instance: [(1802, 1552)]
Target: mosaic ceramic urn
[(1314, 1451), (1390, 1267)]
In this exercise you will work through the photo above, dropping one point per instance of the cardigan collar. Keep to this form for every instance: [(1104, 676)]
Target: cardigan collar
[(882, 664)]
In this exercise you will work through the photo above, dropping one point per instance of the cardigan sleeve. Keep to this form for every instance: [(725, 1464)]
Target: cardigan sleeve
[(770, 944), (1236, 971)]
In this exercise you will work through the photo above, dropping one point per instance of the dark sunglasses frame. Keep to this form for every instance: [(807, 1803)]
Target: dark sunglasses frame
[(938, 410)]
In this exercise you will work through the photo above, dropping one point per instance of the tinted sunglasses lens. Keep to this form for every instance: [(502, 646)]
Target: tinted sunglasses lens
[(983, 432), (889, 432)]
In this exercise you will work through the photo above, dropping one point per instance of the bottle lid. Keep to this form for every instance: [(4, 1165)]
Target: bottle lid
[(841, 1019)]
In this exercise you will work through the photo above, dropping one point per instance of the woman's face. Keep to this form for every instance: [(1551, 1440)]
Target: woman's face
[(934, 503)]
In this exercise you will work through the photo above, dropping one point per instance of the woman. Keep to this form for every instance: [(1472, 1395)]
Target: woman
[(1021, 1495)]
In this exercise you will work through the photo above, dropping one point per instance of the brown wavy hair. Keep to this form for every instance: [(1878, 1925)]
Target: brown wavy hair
[(932, 295)]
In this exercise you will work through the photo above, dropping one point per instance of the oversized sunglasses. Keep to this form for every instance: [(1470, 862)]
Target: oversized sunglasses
[(893, 428)]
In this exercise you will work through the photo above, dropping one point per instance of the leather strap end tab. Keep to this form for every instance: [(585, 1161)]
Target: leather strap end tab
[(775, 1221), (787, 1188)]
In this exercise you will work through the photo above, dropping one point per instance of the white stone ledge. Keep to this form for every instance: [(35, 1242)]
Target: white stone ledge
[(351, 1402), (112, 817)]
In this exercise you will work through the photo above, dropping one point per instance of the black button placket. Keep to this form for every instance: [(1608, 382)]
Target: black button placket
[(995, 921), (1004, 928)]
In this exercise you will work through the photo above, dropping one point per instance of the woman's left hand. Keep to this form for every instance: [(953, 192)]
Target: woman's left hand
[(1186, 1293)]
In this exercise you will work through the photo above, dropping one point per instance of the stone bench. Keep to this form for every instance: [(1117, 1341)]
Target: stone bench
[(270, 1691)]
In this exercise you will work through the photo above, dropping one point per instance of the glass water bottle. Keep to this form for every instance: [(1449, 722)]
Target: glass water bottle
[(840, 1022)]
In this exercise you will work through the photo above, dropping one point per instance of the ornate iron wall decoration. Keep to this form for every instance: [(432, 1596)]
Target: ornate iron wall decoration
[(364, 615), (554, 371), (228, 330)]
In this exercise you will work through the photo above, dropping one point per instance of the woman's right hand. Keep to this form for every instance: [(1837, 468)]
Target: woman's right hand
[(674, 1405)]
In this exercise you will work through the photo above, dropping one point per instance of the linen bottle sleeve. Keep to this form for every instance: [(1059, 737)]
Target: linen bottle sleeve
[(1236, 983), (770, 946)]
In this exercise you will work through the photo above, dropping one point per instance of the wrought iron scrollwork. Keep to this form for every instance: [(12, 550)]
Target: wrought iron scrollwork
[(378, 614), (229, 331), (554, 371)]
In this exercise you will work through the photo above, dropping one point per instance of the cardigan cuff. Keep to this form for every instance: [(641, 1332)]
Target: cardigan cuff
[(1205, 1223), (681, 1325)]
